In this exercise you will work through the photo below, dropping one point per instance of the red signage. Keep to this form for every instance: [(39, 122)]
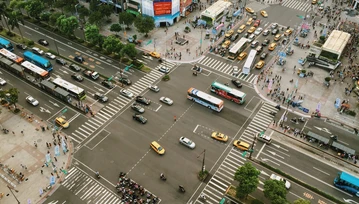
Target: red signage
[(162, 8)]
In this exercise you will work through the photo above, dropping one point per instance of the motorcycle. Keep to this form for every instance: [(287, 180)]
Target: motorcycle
[(160, 60), (273, 113), (162, 177), (97, 174), (294, 120), (194, 73), (316, 114), (181, 188), (277, 107), (301, 119)]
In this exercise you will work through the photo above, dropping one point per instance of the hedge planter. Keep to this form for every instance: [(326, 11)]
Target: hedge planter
[(166, 77), (202, 175)]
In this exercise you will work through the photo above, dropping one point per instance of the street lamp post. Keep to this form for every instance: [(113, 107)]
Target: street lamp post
[(200, 43), (76, 9), (204, 157), (10, 188)]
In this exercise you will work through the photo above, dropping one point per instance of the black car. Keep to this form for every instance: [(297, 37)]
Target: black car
[(43, 42), (77, 77), (143, 100), (274, 31), (140, 118), (137, 108), (237, 83), (263, 55), (79, 59), (125, 80), (61, 61), (107, 84), (75, 68), (265, 42), (234, 37), (21, 46), (100, 97)]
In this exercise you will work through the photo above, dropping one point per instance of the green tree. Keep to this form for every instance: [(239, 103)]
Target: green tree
[(20, 5), (12, 96), (54, 17), (110, 43), (247, 177), (35, 7), (95, 18), (126, 18), (70, 6), (67, 25), (83, 13), (92, 34), (4, 13), (118, 48), (48, 3), (14, 19), (275, 191), (45, 16), (115, 28), (144, 24), (106, 10), (130, 50), (93, 5), (301, 201)]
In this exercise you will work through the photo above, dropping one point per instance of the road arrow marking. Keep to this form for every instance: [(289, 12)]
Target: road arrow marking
[(55, 104), (349, 201), (44, 110)]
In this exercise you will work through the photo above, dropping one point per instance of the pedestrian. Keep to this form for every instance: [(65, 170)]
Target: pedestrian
[(175, 118), (41, 171), (55, 159), (22, 132), (13, 132), (35, 144), (273, 122), (49, 145)]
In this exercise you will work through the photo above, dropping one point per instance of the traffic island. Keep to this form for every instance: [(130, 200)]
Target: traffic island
[(202, 175), (166, 77), (231, 193)]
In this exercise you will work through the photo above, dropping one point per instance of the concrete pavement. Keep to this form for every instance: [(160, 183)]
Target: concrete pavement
[(18, 154)]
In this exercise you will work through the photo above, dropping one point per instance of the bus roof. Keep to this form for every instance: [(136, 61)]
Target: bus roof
[(4, 41), (229, 89), (238, 45), (251, 57), (36, 58), (67, 85), (205, 96), (6, 53), (349, 178), (30, 66)]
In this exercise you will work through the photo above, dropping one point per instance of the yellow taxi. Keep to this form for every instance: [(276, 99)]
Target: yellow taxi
[(242, 56), (229, 33), (226, 44), (241, 29), (264, 14), (272, 46), (251, 30), (155, 54), (314, 1), (260, 64), (250, 21), (157, 148), (288, 32), (249, 10), (277, 37), (241, 145), (219, 136), (61, 121)]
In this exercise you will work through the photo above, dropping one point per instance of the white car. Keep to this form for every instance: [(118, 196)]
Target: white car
[(37, 50), (126, 93), (2, 82), (266, 32), (251, 37), (258, 31), (187, 142), (50, 56), (164, 69), (278, 178), (166, 100), (274, 25), (32, 101), (154, 88), (235, 71)]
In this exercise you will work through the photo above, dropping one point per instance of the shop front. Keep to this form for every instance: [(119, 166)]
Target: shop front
[(166, 12)]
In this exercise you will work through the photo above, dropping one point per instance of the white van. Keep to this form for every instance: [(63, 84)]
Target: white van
[(263, 138)]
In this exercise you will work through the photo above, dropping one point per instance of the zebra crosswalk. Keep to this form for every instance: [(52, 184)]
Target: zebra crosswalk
[(225, 68), (113, 107), (223, 177), (302, 5)]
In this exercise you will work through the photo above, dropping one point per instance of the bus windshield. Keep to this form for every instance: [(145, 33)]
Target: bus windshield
[(205, 99), (228, 93)]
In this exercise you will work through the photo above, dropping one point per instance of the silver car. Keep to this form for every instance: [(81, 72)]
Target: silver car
[(37, 51), (126, 93), (32, 100), (50, 56), (187, 142), (164, 69), (154, 88), (166, 100), (2, 82)]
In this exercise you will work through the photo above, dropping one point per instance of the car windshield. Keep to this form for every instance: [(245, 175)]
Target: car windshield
[(159, 148)]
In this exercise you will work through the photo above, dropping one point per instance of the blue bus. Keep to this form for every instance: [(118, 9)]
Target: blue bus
[(348, 183), (38, 61), (6, 44)]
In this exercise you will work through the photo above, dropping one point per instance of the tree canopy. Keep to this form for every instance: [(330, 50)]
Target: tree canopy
[(11, 95), (301, 201), (92, 33), (67, 25), (115, 28), (247, 177), (144, 24), (95, 17), (126, 18), (130, 50), (110, 43), (34, 8), (275, 191)]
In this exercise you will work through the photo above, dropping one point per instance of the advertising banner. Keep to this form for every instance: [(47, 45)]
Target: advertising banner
[(162, 7)]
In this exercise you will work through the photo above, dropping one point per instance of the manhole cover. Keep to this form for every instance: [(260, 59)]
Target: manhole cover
[(101, 149)]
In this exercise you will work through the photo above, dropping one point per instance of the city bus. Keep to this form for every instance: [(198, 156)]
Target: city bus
[(75, 91), (347, 182), (205, 99), (6, 44), (35, 71), (228, 93), (249, 62), (38, 60), (11, 56), (238, 48)]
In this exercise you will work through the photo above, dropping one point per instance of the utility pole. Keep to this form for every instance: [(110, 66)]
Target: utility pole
[(204, 157), (251, 150), (11, 188), (200, 43)]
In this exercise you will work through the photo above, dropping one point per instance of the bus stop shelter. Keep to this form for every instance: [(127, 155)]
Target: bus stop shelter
[(318, 137), (343, 148)]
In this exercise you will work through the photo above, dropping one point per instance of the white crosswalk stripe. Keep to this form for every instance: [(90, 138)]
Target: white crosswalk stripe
[(115, 105), (225, 68), (223, 177), (298, 4)]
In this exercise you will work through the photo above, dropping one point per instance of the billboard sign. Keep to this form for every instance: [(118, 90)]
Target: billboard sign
[(162, 7)]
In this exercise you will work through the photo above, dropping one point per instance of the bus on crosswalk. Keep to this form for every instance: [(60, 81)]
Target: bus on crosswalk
[(75, 91), (228, 93), (205, 99), (35, 71), (11, 56), (249, 62), (238, 48)]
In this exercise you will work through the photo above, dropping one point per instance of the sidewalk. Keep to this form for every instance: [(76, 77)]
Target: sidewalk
[(18, 154)]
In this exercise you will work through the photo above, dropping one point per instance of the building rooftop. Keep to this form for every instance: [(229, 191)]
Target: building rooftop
[(336, 42)]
